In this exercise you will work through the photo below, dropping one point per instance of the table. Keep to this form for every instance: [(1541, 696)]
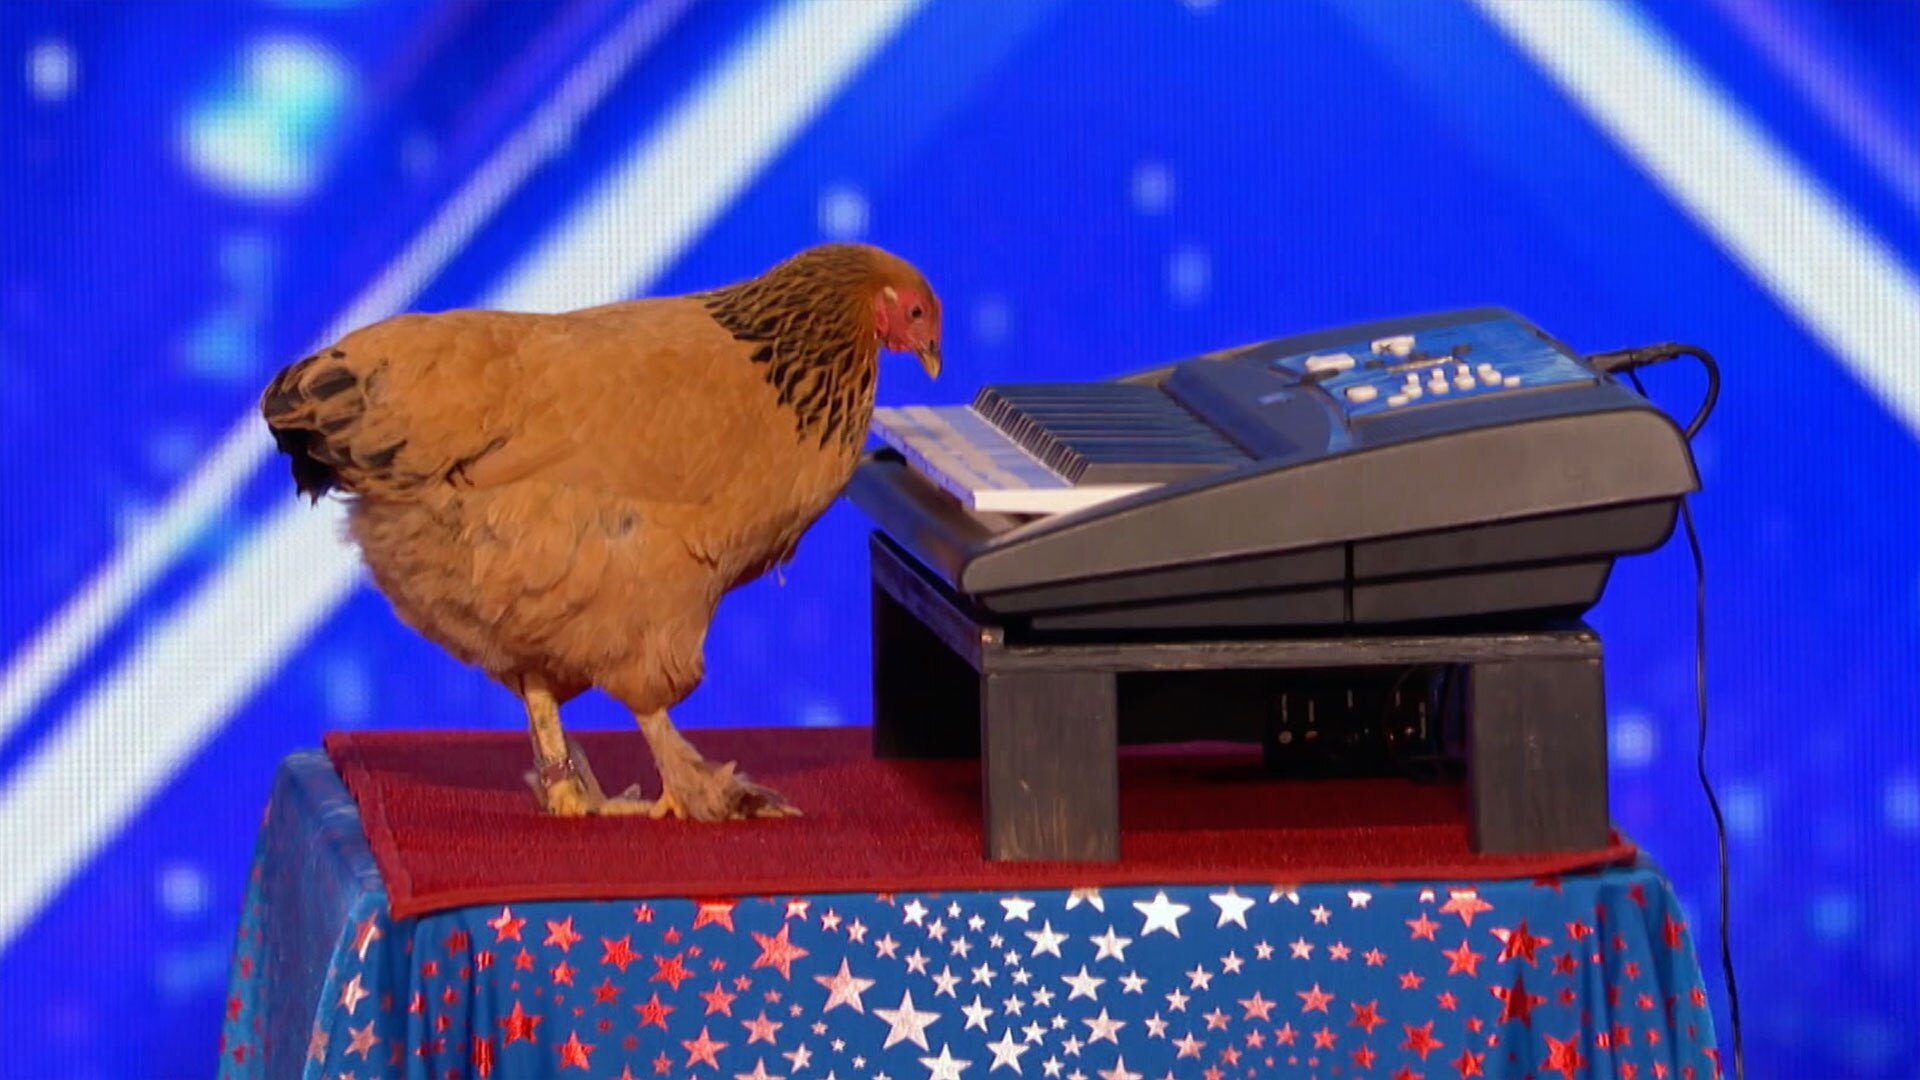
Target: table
[(1583, 976)]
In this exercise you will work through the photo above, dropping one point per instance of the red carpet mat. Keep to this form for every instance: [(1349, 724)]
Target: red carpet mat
[(451, 823)]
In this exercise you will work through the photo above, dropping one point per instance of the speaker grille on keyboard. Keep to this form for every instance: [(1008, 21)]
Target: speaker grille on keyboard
[(1107, 433)]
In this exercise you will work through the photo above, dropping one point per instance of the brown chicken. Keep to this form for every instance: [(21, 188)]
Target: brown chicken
[(562, 500)]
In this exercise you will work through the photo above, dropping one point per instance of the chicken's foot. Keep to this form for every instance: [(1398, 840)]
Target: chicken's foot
[(562, 781), (693, 787)]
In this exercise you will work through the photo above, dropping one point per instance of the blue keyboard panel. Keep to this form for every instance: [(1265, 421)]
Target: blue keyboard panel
[(1434, 368)]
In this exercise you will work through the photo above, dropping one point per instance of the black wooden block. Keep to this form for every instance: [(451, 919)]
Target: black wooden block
[(1537, 755), (926, 699), (1050, 766)]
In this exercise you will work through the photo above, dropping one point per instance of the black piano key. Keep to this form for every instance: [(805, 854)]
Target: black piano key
[(1107, 433)]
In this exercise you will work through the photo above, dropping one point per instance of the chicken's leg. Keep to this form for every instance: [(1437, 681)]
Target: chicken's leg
[(693, 787), (562, 781)]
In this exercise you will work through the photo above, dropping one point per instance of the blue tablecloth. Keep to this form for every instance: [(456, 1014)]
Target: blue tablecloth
[(1582, 976)]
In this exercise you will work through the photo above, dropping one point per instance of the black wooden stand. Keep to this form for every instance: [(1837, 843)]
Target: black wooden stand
[(1043, 718)]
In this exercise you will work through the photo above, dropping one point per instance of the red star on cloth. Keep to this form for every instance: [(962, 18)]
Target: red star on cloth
[(1563, 1056), (761, 1029), (1465, 903), (670, 970), (574, 1053), (1516, 1003), (606, 993), (1468, 1064), (618, 952), (480, 1057), (702, 1049), (520, 1025), (1671, 931), (714, 913), (456, 943), (1423, 927), (562, 974), (1518, 944), (777, 952), (363, 1040), (653, 1011), (365, 933), (1420, 1039), (1363, 1057), (1314, 1000), (718, 1000), (1365, 1017), (1405, 1072), (1410, 980), (1324, 1038), (561, 934), (1463, 960)]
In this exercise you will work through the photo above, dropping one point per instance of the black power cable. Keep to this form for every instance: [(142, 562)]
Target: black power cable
[(1628, 361)]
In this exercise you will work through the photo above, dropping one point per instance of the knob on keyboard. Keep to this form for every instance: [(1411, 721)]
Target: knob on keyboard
[(1107, 433)]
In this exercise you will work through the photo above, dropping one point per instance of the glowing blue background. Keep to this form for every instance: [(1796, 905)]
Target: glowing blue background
[(189, 194)]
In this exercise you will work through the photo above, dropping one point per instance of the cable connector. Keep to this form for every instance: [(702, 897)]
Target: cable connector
[(1628, 361), (1621, 360)]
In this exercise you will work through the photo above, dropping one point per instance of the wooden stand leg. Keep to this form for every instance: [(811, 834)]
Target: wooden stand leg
[(1049, 768), (1537, 755), (925, 699)]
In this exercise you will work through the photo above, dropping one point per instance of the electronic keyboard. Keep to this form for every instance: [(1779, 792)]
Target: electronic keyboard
[(1461, 467)]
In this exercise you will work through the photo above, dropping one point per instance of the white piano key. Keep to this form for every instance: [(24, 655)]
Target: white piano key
[(965, 455)]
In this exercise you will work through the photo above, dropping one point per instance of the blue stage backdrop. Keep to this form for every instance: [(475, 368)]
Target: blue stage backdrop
[(192, 194)]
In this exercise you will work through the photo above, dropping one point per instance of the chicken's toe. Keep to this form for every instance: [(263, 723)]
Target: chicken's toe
[(566, 796), (707, 792), (624, 807)]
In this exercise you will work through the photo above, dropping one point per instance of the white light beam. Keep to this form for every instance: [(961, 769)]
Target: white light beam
[(37, 668), (1825, 267)]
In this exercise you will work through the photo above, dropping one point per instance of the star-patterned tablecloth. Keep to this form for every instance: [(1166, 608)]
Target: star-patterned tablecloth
[(1589, 975)]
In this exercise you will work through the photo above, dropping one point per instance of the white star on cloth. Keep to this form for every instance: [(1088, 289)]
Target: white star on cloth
[(1161, 914), (1016, 908), (1112, 945), (759, 1072), (1104, 1027), (1045, 940), (1118, 1072), (908, 1024), (1087, 895), (946, 1066), (1233, 908), (843, 988), (1007, 1052), (1084, 985)]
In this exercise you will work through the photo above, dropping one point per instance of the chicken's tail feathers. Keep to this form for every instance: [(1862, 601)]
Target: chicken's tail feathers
[(311, 406)]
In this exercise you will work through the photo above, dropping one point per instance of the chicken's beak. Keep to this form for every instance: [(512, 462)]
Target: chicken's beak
[(929, 355)]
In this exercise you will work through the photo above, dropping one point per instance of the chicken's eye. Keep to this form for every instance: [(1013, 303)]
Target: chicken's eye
[(915, 312)]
